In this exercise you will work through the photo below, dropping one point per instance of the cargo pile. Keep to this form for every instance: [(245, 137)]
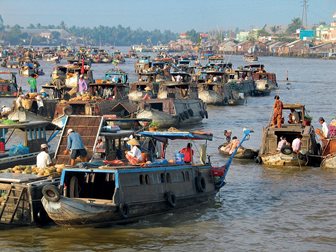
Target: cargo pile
[(54, 171)]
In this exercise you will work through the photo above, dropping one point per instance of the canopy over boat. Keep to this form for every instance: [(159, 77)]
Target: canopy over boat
[(163, 135)]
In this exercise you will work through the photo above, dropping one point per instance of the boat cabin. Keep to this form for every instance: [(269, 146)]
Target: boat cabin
[(32, 135), (8, 84)]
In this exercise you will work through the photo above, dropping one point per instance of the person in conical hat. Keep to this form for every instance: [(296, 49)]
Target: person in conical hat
[(148, 94), (134, 155)]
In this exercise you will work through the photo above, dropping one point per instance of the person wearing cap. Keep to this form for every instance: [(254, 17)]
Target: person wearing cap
[(324, 132), (134, 155), (75, 146), (82, 86), (43, 159), (148, 94)]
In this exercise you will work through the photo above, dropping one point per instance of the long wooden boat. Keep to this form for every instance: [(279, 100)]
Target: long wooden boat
[(114, 195)]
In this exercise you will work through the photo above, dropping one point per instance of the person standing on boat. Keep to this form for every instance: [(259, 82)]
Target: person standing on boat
[(277, 112), (43, 159), (32, 83), (188, 153), (75, 147), (227, 134), (324, 133), (59, 85), (82, 86), (134, 155)]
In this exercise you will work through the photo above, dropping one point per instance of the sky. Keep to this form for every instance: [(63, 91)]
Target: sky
[(174, 15)]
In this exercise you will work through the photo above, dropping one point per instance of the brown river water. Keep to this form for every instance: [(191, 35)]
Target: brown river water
[(259, 209)]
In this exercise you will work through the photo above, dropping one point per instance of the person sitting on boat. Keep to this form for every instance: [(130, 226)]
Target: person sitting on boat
[(277, 112), (134, 155), (293, 116), (43, 159), (282, 143), (82, 86), (324, 132), (100, 148), (188, 153), (148, 94), (232, 145), (296, 144), (75, 147)]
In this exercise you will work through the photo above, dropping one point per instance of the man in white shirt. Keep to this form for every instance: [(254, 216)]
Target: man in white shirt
[(325, 130), (296, 144), (43, 159)]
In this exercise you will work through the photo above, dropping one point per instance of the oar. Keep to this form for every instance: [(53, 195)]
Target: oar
[(228, 163)]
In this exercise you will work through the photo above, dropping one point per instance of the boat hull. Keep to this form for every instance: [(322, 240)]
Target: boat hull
[(242, 153), (212, 98), (283, 160), (75, 212), (329, 162)]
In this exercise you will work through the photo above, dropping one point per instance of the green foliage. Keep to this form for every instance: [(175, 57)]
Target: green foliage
[(153, 124), (193, 35), (292, 27)]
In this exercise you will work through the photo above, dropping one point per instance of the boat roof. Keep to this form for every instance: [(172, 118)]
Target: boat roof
[(24, 125), (8, 72), (118, 134), (293, 105), (161, 135)]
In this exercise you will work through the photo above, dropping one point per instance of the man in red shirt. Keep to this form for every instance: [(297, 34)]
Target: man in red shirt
[(188, 153)]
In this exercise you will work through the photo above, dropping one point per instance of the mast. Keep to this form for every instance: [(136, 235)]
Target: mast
[(304, 13)]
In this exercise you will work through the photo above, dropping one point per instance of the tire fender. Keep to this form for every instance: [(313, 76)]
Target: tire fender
[(51, 193), (200, 183), (171, 198)]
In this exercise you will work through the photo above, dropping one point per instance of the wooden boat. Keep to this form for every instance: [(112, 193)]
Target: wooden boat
[(176, 105), (137, 89), (121, 194), (250, 57), (20, 201), (211, 87), (268, 153), (8, 84), (33, 135), (242, 153), (265, 81)]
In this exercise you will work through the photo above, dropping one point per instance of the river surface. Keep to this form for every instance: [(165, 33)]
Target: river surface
[(259, 209)]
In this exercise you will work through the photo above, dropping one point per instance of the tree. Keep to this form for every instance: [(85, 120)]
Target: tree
[(292, 27), (193, 35), (275, 29)]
